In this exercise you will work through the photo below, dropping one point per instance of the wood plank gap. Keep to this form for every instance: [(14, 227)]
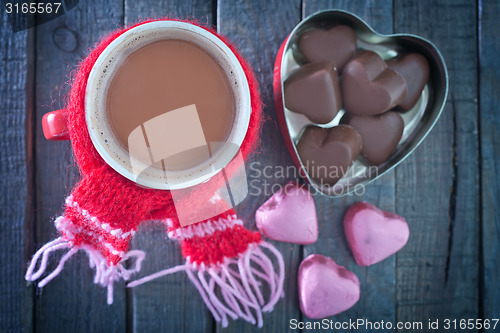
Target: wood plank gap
[(30, 225), (215, 15), (481, 288), (129, 297), (302, 317), (396, 259), (453, 193)]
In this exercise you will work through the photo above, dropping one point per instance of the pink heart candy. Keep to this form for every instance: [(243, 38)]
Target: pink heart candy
[(289, 216), (373, 234), (325, 288)]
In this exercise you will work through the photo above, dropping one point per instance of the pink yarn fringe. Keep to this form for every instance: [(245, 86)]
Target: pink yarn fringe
[(105, 275), (233, 288)]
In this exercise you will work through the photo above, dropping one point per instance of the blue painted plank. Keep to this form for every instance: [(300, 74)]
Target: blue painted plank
[(171, 303), (71, 302), (489, 48), (16, 174), (257, 29), (437, 187), (378, 282)]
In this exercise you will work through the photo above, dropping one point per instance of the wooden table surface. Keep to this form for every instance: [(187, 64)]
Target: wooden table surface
[(448, 189)]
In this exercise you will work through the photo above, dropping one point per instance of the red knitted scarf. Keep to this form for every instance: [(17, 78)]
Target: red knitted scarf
[(225, 262)]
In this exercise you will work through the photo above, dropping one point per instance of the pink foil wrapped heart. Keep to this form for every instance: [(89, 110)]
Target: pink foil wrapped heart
[(325, 288), (289, 216), (372, 234)]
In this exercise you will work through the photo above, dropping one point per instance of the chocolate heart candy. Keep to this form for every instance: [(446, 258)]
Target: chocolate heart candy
[(373, 234), (314, 91), (325, 288), (369, 87), (380, 134), (336, 45), (327, 153), (414, 68), (289, 216)]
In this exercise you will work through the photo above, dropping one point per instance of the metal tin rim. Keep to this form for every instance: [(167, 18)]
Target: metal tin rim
[(366, 26)]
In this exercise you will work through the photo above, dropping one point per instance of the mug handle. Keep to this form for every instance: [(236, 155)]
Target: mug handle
[(54, 125)]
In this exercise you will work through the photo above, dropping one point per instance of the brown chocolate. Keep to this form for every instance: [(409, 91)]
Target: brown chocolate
[(165, 76), (327, 153), (414, 68), (336, 45), (380, 134), (369, 87), (313, 90)]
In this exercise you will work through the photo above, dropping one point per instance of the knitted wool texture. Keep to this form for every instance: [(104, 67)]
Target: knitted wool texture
[(210, 242), (104, 210), (104, 193)]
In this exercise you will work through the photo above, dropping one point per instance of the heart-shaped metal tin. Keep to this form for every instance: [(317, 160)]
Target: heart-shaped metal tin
[(418, 121)]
